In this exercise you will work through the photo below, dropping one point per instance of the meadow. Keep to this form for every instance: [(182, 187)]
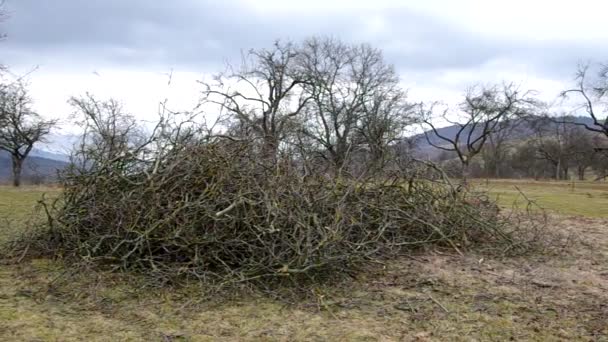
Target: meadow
[(428, 296), (589, 199)]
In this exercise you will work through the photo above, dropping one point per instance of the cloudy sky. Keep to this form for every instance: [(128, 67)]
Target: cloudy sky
[(126, 48)]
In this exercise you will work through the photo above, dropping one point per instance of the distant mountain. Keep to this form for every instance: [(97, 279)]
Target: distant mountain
[(49, 155), (35, 169), (56, 147)]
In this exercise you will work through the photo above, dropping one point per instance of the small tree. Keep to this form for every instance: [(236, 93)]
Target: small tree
[(484, 112), (20, 127)]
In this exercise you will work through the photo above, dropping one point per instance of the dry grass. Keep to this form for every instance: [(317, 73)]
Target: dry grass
[(427, 297)]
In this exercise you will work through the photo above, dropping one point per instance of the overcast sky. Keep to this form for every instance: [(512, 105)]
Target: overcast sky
[(126, 48)]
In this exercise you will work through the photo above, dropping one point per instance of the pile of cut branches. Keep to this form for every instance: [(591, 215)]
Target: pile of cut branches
[(218, 213), (181, 204)]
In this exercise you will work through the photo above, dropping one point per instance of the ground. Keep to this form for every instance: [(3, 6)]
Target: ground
[(434, 295)]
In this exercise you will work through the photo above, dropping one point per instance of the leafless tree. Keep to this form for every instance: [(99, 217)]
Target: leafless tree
[(483, 113), (384, 121), (600, 164), (526, 163), (264, 96), (592, 95), (108, 130), (497, 149), (564, 144), (20, 127), (585, 150), (550, 146), (356, 102)]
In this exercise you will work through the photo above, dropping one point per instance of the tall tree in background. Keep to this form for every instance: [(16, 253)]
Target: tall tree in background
[(482, 114), (496, 151), (386, 116), (264, 95), (551, 142), (526, 162), (565, 144), (20, 127), (322, 97), (356, 103), (584, 151)]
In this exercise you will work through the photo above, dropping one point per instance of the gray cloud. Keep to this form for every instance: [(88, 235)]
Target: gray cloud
[(198, 34)]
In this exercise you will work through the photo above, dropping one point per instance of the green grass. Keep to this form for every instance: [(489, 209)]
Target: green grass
[(19, 202), (18, 206), (425, 298), (588, 199)]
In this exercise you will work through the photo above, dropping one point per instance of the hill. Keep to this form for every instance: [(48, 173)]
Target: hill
[(35, 169)]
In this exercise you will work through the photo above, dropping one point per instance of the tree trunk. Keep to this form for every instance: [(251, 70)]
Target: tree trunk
[(270, 148), (466, 173), (339, 158), (339, 162), (17, 166), (581, 173)]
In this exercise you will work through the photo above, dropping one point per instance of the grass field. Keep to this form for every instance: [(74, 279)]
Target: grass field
[(17, 206), (432, 296), (568, 198)]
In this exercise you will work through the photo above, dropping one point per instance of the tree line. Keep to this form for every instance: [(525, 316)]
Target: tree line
[(539, 147)]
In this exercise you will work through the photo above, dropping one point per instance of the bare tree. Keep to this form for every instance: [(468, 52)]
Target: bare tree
[(355, 101), (496, 151), (384, 121), (600, 164), (564, 144), (108, 130), (584, 150), (264, 96), (549, 144), (20, 127), (526, 163), (483, 113), (592, 95)]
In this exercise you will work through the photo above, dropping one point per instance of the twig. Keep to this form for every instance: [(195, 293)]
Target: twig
[(437, 302)]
